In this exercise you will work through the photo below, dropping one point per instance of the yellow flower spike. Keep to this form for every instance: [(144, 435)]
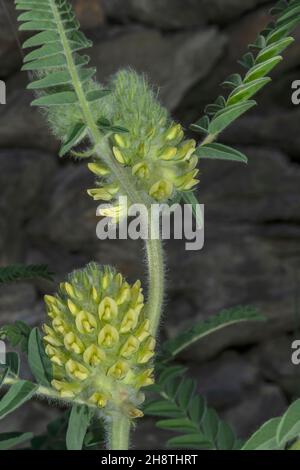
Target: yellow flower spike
[(76, 370), (120, 141), (174, 132), (161, 190), (98, 341), (85, 322), (72, 343), (130, 347), (108, 309), (169, 154), (123, 294), (98, 169), (93, 355), (147, 351), (73, 308), (59, 326), (108, 337), (141, 170), (119, 155), (99, 399), (118, 370), (143, 331), (130, 320), (51, 336)]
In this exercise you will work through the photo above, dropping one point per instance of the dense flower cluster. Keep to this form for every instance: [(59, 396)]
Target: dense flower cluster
[(154, 150), (98, 340)]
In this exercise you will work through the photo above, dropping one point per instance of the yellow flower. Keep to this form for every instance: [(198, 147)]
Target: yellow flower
[(99, 341), (154, 150)]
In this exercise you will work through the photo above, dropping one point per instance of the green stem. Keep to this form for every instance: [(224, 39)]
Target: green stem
[(119, 431), (209, 139), (156, 283)]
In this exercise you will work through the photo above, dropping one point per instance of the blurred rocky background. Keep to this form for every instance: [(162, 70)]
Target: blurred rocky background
[(252, 249)]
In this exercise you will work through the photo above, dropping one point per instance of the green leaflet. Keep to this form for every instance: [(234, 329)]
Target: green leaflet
[(247, 90), (190, 441), (79, 421), (96, 95), (277, 433), (220, 152), (18, 394), (60, 78), (282, 31), (201, 125), (289, 426), (186, 412), (273, 50), (17, 334), (225, 318), (228, 115), (56, 99), (3, 374), (260, 70), (264, 438), (39, 39), (13, 362), (20, 272), (39, 362), (11, 439), (289, 13), (77, 134)]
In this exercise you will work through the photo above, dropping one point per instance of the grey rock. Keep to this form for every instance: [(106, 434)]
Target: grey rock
[(173, 14), (23, 186), (261, 404), (18, 302), (21, 125), (225, 380), (10, 54), (174, 62), (274, 357)]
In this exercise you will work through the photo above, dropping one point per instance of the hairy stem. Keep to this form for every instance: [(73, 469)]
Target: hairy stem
[(155, 260), (118, 432)]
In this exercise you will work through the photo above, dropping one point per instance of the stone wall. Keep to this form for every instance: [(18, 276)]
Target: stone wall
[(252, 250)]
